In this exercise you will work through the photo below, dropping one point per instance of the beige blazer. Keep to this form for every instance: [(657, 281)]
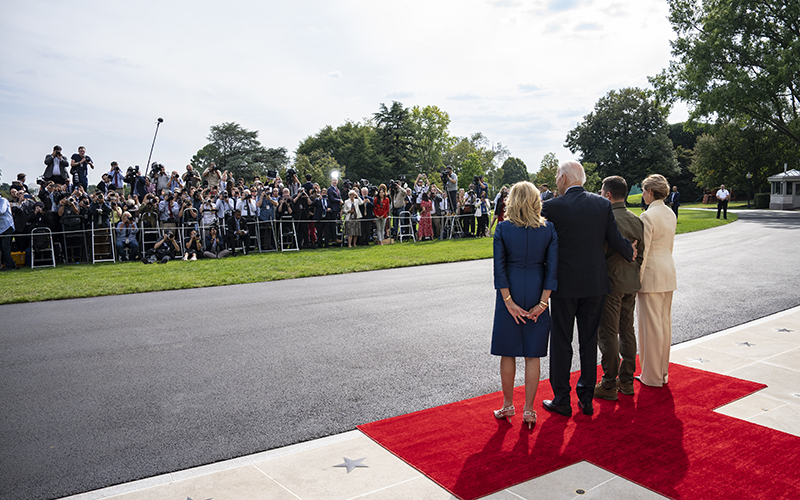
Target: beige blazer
[(658, 269)]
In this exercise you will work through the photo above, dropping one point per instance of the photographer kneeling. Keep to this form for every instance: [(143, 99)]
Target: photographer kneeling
[(164, 250), (193, 246), (214, 248)]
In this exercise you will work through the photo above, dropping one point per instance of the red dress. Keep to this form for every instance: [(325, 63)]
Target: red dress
[(425, 228)]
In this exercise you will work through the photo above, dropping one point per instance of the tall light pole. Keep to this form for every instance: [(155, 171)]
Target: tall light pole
[(147, 167), (749, 176)]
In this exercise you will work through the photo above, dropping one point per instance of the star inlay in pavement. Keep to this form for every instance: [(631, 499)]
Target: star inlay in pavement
[(352, 464), (785, 330), (748, 344), (700, 360)]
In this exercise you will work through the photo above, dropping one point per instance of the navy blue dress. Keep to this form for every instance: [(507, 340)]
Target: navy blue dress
[(525, 262)]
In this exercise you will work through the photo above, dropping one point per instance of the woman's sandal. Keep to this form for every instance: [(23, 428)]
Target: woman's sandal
[(504, 413), (529, 417)]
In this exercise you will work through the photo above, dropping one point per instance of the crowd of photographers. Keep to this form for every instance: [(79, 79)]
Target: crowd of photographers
[(158, 215)]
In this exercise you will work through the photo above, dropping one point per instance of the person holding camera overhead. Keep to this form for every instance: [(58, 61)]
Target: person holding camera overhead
[(169, 212), (212, 175), (247, 205), (190, 177), (126, 238), (117, 179), (160, 178), (79, 163), (56, 169), (175, 182), (225, 207)]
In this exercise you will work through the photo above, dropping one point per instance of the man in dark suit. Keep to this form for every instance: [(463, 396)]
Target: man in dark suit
[(237, 232), (546, 194), (56, 169), (674, 200), (335, 204), (584, 223)]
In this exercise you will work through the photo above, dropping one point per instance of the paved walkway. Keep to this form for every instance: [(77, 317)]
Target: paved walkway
[(765, 350)]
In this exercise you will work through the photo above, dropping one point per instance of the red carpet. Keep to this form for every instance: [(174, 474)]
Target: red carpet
[(666, 439)]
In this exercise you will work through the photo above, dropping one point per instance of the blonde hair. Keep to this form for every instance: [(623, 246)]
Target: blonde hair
[(524, 205), (657, 184)]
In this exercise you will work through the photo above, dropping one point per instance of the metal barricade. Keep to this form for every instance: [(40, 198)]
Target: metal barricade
[(267, 236), (42, 243), (103, 243), (405, 223), (288, 232)]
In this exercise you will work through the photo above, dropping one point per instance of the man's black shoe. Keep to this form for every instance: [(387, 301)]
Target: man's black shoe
[(560, 409), (587, 408)]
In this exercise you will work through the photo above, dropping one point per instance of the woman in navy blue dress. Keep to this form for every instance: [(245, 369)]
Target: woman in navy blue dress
[(525, 265)]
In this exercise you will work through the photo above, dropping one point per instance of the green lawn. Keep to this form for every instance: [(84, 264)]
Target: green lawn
[(73, 281)]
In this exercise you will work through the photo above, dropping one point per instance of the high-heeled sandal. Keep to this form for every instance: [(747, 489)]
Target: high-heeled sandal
[(529, 417), (505, 412)]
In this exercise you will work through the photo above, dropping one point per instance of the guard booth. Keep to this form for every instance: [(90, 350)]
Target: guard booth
[(785, 190)]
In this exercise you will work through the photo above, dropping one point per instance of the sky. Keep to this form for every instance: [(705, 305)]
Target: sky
[(99, 73)]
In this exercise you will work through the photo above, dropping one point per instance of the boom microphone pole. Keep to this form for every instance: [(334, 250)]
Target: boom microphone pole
[(147, 168)]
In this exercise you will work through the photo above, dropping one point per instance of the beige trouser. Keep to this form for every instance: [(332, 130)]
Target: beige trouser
[(655, 336)]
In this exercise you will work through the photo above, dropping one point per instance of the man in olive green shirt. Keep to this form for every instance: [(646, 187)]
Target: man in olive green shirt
[(616, 335)]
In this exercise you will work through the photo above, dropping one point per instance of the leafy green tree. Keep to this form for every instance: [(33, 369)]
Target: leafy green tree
[(547, 172), (489, 156), (627, 135), (593, 180), (736, 60), (469, 169), (238, 150), (730, 153), (684, 137), (431, 138), (319, 164), (353, 145), (514, 170), (396, 134)]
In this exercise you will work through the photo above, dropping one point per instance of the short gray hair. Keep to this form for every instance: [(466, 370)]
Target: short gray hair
[(573, 171)]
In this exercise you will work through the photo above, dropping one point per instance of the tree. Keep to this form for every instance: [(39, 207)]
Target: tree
[(396, 134), (514, 170), (593, 180), (736, 60), (431, 139), (730, 153), (547, 172), (684, 137), (469, 170), (627, 135), (487, 154), (353, 145), (319, 164), (238, 150)]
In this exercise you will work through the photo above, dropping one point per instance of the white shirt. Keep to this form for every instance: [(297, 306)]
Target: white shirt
[(242, 205), (723, 194)]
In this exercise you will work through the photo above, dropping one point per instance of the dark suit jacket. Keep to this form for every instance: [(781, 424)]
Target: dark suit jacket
[(232, 225), (48, 171), (584, 222), (334, 199), (674, 199)]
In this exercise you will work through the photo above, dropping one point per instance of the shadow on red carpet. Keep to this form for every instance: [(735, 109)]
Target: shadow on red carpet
[(666, 439)]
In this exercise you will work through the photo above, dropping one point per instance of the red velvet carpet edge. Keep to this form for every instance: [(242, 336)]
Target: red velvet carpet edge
[(666, 439)]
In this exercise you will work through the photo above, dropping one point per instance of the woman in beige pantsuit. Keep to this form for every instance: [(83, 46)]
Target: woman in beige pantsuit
[(654, 299)]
